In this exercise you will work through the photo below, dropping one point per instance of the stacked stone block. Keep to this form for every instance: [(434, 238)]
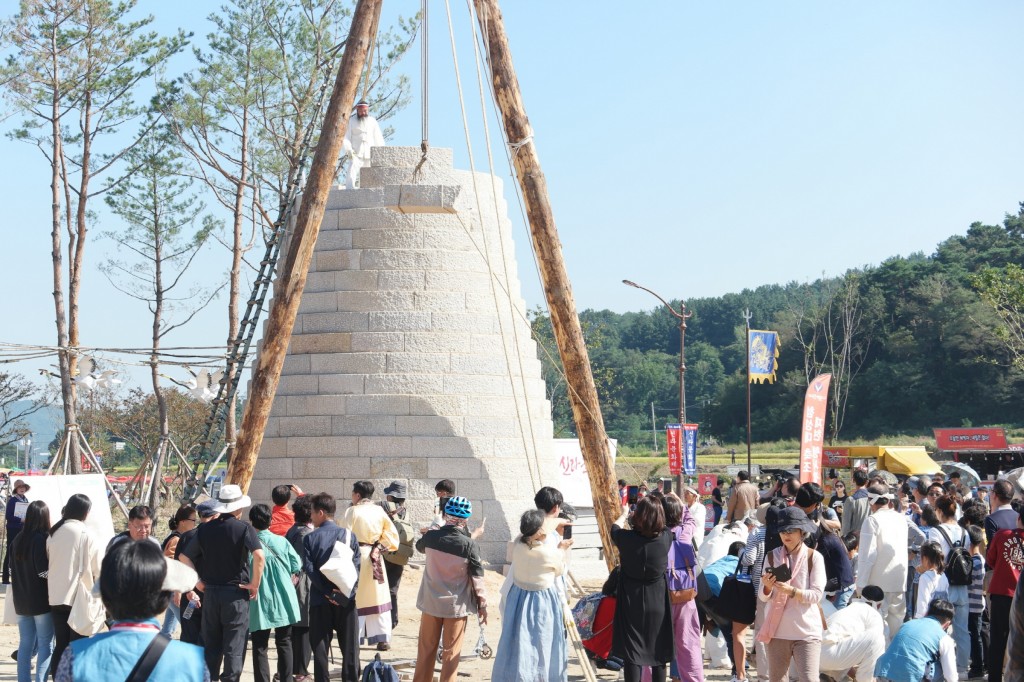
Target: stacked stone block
[(406, 361)]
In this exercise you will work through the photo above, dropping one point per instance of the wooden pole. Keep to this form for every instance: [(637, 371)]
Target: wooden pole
[(292, 278), (564, 320)]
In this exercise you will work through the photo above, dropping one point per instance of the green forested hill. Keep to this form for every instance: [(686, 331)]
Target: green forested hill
[(910, 342)]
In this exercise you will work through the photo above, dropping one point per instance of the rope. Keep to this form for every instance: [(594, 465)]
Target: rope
[(501, 241), (424, 76), (534, 480), (511, 149)]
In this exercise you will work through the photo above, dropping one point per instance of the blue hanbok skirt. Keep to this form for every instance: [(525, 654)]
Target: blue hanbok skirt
[(532, 646)]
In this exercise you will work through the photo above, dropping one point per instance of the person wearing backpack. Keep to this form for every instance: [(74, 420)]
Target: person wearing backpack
[(395, 562), (959, 567), (1005, 558)]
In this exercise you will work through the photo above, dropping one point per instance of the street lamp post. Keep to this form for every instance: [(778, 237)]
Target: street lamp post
[(682, 315)]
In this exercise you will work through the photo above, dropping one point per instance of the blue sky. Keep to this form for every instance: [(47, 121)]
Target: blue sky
[(696, 148)]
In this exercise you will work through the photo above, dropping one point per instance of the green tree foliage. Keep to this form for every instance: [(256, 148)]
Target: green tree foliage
[(918, 342)]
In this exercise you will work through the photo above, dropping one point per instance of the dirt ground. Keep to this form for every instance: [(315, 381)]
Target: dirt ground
[(403, 647)]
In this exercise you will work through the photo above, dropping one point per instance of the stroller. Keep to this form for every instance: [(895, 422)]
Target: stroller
[(483, 649)]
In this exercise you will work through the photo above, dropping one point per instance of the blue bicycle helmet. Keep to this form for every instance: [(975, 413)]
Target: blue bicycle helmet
[(459, 507)]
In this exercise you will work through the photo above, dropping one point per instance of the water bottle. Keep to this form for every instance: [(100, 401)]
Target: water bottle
[(187, 613)]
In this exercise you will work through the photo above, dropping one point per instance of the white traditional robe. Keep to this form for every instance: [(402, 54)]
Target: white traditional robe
[(370, 524), (362, 134)]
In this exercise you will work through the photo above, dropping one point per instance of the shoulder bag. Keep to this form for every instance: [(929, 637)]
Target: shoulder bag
[(87, 611), (682, 585), (737, 600)]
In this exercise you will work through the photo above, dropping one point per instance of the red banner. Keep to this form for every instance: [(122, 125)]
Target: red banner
[(835, 458), (812, 432), (706, 483), (674, 445), (970, 439)]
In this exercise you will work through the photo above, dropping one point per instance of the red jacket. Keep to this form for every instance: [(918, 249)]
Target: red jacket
[(281, 519), (1005, 557)]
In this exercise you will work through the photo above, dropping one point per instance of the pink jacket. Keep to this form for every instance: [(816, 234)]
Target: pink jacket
[(799, 616)]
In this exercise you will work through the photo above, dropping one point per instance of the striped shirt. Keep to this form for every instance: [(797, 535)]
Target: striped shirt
[(975, 599), (753, 555)]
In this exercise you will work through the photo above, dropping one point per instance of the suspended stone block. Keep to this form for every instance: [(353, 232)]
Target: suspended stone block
[(411, 358)]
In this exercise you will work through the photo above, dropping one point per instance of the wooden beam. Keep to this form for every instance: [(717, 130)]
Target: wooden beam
[(564, 320), (291, 279)]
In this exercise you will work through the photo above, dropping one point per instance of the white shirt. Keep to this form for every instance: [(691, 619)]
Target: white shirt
[(857, 618), (928, 584), (883, 551), (362, 134), (947, 657), (700, 514)]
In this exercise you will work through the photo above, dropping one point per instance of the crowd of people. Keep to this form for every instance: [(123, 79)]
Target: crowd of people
[(902, 583), (890, 582)]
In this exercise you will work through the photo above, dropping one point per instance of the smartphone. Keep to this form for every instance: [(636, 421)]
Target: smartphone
[(781, 573), (567, 532), (442, 504), (667, 485), (632, 493)]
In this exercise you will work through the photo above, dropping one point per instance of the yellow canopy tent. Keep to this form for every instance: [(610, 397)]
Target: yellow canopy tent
[(907, 460)]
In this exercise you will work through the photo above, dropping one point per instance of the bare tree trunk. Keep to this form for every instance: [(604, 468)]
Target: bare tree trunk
[(237, 249), (154, 363), (65, 359)]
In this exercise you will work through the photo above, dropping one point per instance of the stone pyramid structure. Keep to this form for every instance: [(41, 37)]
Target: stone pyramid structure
[(408, 361)]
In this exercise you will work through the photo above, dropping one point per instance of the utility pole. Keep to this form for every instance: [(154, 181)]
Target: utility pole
[(746, 316), (682, 315), (565, 322), (654, 429), (292, 279)]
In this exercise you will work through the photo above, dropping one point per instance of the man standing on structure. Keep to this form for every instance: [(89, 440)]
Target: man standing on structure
[(363, 133)]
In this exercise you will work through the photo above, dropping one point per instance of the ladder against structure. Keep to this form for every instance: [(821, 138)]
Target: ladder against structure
[(406, 361)]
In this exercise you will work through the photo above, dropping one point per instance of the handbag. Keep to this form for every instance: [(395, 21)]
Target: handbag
[(682, 585), (87, 611), (339, 568), (737, 600), (584, 614)]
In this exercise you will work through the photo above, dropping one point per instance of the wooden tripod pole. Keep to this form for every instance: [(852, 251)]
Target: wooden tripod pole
[(564, 321), (292, 278)]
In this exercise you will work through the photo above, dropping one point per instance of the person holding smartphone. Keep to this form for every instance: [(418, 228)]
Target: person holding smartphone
[(793, 585)]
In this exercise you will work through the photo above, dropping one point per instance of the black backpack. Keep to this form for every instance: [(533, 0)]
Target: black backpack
[(959, 565)]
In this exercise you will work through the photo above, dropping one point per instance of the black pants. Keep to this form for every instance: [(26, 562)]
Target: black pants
[(225, 628), (260, 662), (394, 573), (301, 651), (192, 628), (7, 556), (329, 619), (631, 672), (978, 628), (62, 634), (1000, 624)]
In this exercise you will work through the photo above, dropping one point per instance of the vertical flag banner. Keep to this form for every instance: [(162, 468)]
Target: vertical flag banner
[(674, 445), (689, 449), (812, 431), (763, 359)]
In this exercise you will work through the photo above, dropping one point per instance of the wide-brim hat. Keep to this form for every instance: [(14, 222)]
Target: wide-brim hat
[(231, 499), (20, 483), (793, 518), (179, 578), (396, 489)]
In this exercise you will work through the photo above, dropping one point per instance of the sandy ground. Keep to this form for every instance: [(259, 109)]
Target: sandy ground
[(404, 642)]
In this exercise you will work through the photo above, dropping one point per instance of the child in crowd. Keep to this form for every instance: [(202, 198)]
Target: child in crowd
[(852, 542), (931, 583), (976, 602), (281, 517)]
